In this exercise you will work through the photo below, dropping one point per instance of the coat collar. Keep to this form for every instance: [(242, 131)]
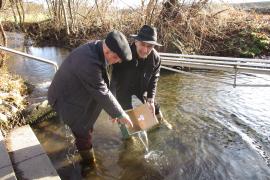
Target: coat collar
[(134, 51)]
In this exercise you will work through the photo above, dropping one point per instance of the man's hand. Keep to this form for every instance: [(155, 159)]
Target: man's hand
[(151, 105), (124, 119)]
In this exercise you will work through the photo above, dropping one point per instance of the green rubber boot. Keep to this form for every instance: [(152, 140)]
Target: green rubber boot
[(161, 120), (124, 131)]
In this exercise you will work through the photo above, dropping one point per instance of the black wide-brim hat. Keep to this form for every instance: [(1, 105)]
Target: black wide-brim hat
[(147, 34)]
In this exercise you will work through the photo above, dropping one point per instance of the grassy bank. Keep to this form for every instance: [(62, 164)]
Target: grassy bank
[(13, 93), (199, 28)]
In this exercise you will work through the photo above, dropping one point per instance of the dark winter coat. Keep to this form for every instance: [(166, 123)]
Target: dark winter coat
[(138, 77), (79, 90)]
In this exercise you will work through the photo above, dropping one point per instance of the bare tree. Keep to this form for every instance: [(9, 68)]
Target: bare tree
[(151, 7), (3, 41), (20, 2), (18, 11), (65, 17), (48, 2), (13, 11), (168, 10), (99, 12), (72, 23)]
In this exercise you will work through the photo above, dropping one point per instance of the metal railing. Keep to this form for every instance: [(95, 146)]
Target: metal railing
[(170, 60), (258, 66), (30, 56), (228, 64)]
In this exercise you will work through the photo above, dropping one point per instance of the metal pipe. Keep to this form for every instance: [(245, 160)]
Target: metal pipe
[(216, 67), (212, 79), (215, 58), (217, 62), (30, 56)]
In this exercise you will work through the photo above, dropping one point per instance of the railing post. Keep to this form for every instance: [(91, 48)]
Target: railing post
[(235, 75)]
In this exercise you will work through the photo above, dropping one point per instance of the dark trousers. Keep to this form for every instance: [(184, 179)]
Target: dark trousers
[(83, 141), (83, 138)]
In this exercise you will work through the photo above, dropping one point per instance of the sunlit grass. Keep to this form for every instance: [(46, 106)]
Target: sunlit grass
[(36, 17), (12, 100), (29, 18)]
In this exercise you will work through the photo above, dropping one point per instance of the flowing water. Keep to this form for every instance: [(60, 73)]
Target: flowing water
[(219, 132), (144, 139)]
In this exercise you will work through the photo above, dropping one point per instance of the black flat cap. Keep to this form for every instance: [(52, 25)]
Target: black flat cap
[(117, 43)]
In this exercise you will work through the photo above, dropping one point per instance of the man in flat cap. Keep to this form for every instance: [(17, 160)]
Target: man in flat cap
[(141, 74), (79, 90)]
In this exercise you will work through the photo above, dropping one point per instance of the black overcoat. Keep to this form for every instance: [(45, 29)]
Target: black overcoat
[(79, 90), (137, 77)]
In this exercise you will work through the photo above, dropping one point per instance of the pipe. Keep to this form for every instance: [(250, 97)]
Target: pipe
[(214, 80), (216, 62), (30, 56), (215, 58)]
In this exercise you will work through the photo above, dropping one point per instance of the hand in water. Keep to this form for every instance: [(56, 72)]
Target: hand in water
[(124, 119)]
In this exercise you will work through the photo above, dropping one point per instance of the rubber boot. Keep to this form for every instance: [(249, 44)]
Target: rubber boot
[(124, 131), (88, 162), (161, 120), (88, 157)]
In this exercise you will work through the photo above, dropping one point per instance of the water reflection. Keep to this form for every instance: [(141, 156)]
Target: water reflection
[(37, 73), (220, 132)]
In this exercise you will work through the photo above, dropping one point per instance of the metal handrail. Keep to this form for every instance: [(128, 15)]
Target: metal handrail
[(217, 58), (195, 61), (238, 63), (233, 65), (30, 56), (214, 80), (216, 63)]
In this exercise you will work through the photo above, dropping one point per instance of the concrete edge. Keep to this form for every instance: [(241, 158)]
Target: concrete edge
[(28, 156), (6, 168)]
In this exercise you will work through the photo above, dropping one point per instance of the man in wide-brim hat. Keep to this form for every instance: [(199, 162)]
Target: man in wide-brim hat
[(140, 76)]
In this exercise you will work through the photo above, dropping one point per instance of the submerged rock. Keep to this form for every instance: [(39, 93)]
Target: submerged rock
[(39, 112)]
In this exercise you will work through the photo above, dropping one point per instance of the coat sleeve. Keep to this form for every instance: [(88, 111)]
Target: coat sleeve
[(92, 80), (151, 91)]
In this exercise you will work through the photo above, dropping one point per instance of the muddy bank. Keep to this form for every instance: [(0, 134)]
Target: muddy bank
[(47, 34)]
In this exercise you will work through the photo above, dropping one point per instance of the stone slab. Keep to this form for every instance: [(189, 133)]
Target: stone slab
[(6, 169), (7, 173), (29, 158)]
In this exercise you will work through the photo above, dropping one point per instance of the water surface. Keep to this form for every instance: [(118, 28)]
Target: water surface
[(219, 132)]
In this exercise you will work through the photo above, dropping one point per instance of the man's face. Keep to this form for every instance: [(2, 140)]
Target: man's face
[(111, 57), (143, 49)]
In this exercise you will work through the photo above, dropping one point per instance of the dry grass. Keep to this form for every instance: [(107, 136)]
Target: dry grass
[(198, 28), (12, 100), (208, 30), (195, 29)]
